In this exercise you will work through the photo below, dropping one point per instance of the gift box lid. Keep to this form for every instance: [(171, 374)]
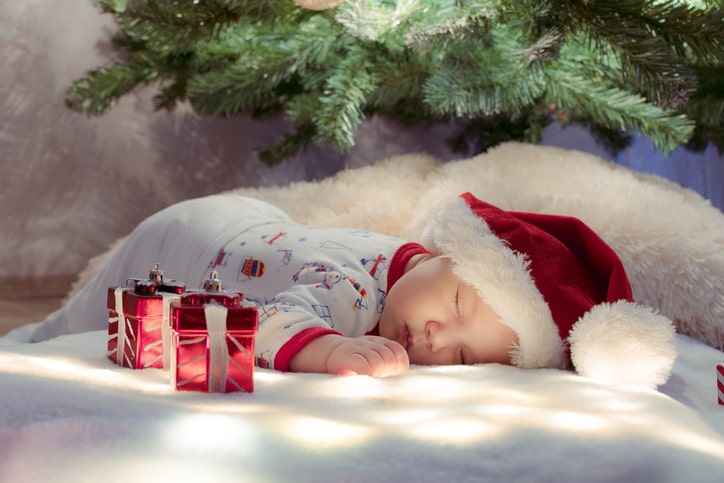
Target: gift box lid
[(212, 291), (155, 283), (141, 296), (188, 312), (199, 297), (192, 318)]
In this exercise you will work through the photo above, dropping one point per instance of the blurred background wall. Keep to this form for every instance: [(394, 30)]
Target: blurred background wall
[(71, 185)]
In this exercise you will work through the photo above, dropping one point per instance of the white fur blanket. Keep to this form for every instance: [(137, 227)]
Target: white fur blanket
[(69, 414)]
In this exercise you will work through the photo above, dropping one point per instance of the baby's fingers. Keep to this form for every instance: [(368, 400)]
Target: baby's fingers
[(385, 357), (350, 365), (394, 359), (371, 356)]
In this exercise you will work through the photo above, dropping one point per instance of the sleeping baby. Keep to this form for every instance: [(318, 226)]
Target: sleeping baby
[(483, 285)]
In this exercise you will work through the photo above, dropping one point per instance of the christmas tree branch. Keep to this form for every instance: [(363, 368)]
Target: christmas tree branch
[(343, 101), (652, 40), (508, 84), (102, 88), (270, 66), (633, 65), (615, 109)]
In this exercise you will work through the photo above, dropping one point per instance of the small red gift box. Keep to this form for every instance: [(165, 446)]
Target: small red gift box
[(213, 340), (720, 382), (139, 322)]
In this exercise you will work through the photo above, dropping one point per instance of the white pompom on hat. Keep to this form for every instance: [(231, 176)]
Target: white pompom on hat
[(559, 286)]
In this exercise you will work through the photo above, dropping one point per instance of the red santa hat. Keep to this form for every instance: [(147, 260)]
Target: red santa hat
[(559, 286)]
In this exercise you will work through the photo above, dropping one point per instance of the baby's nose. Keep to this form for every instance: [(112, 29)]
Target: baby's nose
[(438, 335)]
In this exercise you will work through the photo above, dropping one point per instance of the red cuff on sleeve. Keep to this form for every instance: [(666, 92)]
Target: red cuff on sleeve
[(296, 343)]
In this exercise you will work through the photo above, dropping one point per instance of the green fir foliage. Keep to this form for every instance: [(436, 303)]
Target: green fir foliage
[(497, 69)]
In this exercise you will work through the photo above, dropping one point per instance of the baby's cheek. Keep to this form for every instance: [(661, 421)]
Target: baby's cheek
[(419, 355), (385, 327)]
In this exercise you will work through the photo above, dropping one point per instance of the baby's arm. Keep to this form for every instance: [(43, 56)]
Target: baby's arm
[(367, 355)]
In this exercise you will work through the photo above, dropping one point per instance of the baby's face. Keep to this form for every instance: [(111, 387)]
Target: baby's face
[(440, 320)]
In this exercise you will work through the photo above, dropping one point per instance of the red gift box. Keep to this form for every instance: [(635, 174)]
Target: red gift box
[(720, 382), (213, 340), (139, 321)]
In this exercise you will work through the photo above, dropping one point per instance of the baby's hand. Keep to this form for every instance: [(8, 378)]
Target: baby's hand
[(368, 355)]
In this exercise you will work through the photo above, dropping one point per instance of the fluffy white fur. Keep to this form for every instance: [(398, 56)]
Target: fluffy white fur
[(623, 343), (670, 239)]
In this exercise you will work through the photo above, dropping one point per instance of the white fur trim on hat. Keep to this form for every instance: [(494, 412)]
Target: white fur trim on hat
[(623, 343), (502, 278)]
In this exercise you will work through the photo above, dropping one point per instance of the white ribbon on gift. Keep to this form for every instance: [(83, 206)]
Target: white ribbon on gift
[(121, 344), (218, 349), (166, 321)]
